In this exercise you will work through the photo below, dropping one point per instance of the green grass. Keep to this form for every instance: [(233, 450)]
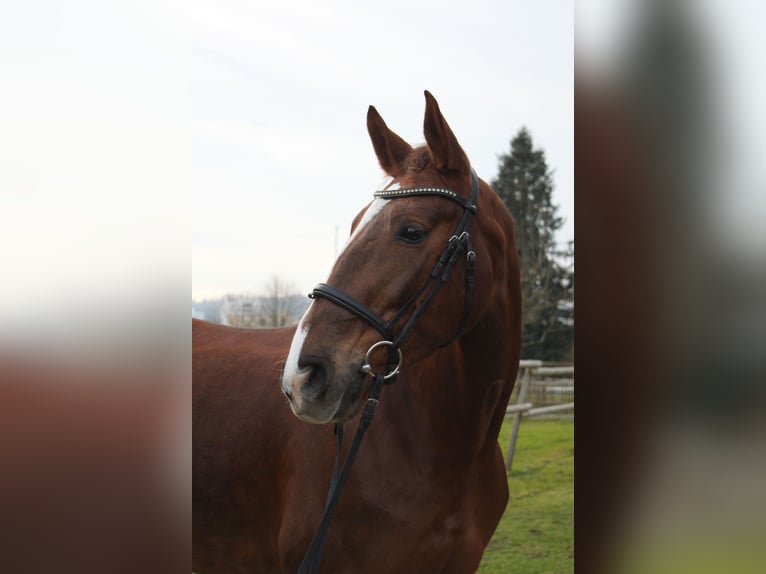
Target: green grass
[(536, 533)]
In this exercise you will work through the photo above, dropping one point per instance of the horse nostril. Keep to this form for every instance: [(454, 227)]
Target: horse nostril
[(315, 380)]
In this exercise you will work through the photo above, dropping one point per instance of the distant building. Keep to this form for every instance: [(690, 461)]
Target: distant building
[(251, 311)]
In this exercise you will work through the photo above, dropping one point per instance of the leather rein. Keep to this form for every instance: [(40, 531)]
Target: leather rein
[(459, 241)]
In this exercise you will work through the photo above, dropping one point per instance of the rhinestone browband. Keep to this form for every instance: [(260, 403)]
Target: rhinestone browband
[(409, 191)]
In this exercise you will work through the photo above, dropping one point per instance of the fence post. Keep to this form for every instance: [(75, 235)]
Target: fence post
[(517, 416)]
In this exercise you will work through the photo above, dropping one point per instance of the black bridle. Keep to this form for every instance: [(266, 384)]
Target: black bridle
[(459, 241)]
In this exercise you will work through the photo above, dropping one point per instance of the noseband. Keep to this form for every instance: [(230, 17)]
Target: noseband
[(460, 241)]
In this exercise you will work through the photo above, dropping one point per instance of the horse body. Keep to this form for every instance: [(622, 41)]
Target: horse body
[(431, 482), (428, 486)]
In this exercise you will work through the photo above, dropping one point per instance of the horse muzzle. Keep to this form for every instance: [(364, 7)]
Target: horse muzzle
[(318, 395)]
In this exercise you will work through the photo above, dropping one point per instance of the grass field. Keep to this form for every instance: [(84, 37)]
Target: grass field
[(536, 533)]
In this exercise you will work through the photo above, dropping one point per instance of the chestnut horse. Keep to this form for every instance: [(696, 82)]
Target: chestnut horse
[(428, 486)]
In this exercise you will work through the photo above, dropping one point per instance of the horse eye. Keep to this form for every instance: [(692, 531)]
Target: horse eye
[(412, 234)]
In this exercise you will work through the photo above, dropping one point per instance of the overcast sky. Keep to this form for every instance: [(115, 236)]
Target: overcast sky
[(281, 160)]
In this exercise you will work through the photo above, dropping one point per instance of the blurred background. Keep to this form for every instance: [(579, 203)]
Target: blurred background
[(672, 286), (95, 150)]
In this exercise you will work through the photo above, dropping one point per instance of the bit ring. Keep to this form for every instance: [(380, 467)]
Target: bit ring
[(366, 368)]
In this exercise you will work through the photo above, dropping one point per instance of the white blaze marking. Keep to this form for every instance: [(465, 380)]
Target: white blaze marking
[(302, 331), (375, 207), (291, 364)]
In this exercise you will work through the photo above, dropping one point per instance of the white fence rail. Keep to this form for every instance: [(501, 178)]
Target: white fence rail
[(522, 408)]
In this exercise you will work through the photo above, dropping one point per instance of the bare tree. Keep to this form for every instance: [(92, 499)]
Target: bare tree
[(278, 306)]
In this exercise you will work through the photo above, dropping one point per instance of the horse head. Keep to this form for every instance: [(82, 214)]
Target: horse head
[(423, 263)]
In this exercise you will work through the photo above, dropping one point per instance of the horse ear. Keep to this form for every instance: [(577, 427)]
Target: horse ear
[(389, 147), (446, 153)]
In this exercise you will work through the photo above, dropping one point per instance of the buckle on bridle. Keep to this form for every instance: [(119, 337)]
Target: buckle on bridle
[(367, 368)]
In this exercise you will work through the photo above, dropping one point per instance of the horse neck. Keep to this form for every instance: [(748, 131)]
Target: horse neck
[(458, 395), (490, 358)]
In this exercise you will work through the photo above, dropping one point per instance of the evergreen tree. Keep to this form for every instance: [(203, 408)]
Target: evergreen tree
[(525, 184)]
